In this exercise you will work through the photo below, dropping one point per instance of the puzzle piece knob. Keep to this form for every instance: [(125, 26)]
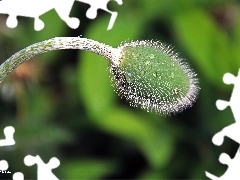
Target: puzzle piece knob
[(18, 176), (221, 104), (218, 139), (120, 2), (29, 160), (54, 162), (224, 158), (12, 21), (3, 165), (73, 22), (38, 24), (91, 13), (228, 78)]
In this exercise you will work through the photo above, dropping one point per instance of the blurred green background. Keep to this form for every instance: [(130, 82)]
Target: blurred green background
[(62, 104)]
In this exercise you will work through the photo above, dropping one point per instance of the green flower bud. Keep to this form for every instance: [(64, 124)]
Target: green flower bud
[(151, 76)]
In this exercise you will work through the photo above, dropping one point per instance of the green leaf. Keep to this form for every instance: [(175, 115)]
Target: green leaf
[(205, 42), (154, 142), (86, 169)]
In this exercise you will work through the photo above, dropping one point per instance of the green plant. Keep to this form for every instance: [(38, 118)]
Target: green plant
[(146, 73)]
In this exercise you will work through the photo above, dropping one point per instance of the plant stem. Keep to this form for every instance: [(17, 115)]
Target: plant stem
[(57, 43)]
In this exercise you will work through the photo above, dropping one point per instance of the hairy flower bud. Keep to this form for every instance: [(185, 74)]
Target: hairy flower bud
[(151, 76)]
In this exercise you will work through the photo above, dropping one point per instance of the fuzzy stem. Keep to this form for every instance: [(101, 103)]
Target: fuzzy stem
[(57, 43)]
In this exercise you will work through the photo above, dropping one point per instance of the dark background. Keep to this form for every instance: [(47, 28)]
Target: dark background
[(62, 104)]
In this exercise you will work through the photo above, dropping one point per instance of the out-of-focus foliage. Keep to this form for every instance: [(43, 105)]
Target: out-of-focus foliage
[(62, 103)]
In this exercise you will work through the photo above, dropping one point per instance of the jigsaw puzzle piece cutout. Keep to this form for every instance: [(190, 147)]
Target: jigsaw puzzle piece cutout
[(221, 104), (233, 103), (12, 22), (18, 176), (6, 8), (44, 170), (25, 8), (235, 97), (231, 131), (101, 4), (233, 167), (63, 9), (211, 176), (8, 132), (229, 78), (3, 165), (36, 8)]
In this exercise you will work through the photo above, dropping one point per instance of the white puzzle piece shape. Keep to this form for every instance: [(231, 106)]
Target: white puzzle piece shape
[(100, 4), (18, 176), (3, 165), (233, 167), (8, 132), (36, 8), (44, 170), (231, 131)]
